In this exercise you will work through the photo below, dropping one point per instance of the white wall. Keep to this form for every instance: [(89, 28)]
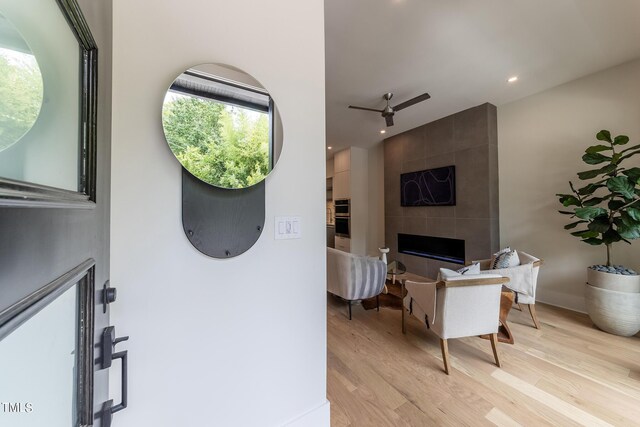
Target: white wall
[(366, 190), (359, 194), (375, 226), (238, 342), (541, 141)]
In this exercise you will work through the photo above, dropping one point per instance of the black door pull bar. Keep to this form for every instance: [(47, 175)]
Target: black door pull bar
[(109, 342)]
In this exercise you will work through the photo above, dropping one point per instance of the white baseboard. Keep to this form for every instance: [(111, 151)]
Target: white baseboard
[(555, 304), (562, 300), (317, 417)]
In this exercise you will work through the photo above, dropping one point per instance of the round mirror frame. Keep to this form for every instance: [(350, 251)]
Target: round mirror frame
[(222, 125)]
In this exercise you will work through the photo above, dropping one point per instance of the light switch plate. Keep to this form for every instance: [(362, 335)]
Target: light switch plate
[(288, 227)]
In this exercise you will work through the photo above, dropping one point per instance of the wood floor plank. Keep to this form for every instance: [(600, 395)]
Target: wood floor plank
[(480, 366), (578, 415), (338, 417), (566, 373), (413, 416), (499, 418), (446, 387), (580, 390), (599, 404), (359, 407)]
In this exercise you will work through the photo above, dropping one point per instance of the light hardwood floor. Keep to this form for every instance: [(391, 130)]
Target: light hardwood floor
[(566, 374)]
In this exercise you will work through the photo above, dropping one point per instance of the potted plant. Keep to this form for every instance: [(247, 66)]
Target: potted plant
[(606, 210)]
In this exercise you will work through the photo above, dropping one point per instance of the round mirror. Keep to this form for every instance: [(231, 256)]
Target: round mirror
[(222, 126), (21, 91)]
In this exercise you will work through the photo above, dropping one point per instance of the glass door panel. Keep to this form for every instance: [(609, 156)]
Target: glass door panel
[(39, 369)]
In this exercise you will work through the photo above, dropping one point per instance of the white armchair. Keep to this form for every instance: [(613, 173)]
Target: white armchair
[(353, 277), (458, 307), (523, 280)]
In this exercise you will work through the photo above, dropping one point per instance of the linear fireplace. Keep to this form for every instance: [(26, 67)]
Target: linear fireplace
[(440, 248)]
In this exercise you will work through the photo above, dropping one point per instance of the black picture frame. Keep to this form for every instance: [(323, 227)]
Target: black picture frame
[(27, 194), (439, 194)]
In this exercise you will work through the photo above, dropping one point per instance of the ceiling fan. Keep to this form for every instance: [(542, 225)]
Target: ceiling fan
[(389, 111)]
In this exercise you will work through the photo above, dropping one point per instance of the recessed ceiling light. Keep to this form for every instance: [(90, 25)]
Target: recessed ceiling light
[(383, 131), (329, 148), (512, 79)]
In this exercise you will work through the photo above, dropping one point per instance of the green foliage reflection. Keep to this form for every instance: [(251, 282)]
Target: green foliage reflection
[(223, 145), (20, 95)]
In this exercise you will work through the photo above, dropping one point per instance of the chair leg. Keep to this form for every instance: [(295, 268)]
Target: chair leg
[(349, 302), (445, 354), (518, 306), (377, 302), (532, 311), (494, 346)]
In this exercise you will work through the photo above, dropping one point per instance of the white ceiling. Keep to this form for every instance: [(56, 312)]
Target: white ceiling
[(461, 52)]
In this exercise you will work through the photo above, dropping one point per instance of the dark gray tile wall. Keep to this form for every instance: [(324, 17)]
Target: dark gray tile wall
[(469, 141)]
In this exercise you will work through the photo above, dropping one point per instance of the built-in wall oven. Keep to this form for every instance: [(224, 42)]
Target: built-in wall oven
[(343, 226), (343, 217), (342, 208)]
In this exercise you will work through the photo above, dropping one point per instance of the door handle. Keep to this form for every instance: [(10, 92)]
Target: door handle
[(109, 342)]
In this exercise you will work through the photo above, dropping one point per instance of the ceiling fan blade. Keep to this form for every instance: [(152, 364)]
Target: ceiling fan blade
[(365, 108), (389, 120), (411, 102)]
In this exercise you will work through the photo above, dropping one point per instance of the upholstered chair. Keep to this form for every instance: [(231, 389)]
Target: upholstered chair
[(523, 280), (457, 307), (353, 277)]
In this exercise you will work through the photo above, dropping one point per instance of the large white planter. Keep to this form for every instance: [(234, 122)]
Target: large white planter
[(613, 302)]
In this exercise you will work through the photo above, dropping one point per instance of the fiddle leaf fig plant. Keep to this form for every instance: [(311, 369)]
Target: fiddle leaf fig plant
[(606, 207)]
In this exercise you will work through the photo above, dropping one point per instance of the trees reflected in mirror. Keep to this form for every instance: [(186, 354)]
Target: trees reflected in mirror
[(222, 126), (21, 90)]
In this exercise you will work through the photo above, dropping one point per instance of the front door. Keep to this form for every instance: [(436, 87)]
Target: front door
[(54, 211)]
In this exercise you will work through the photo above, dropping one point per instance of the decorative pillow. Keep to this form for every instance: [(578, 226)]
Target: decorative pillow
[(506, 258), (470, 269), (446, 274), (497, 254)]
